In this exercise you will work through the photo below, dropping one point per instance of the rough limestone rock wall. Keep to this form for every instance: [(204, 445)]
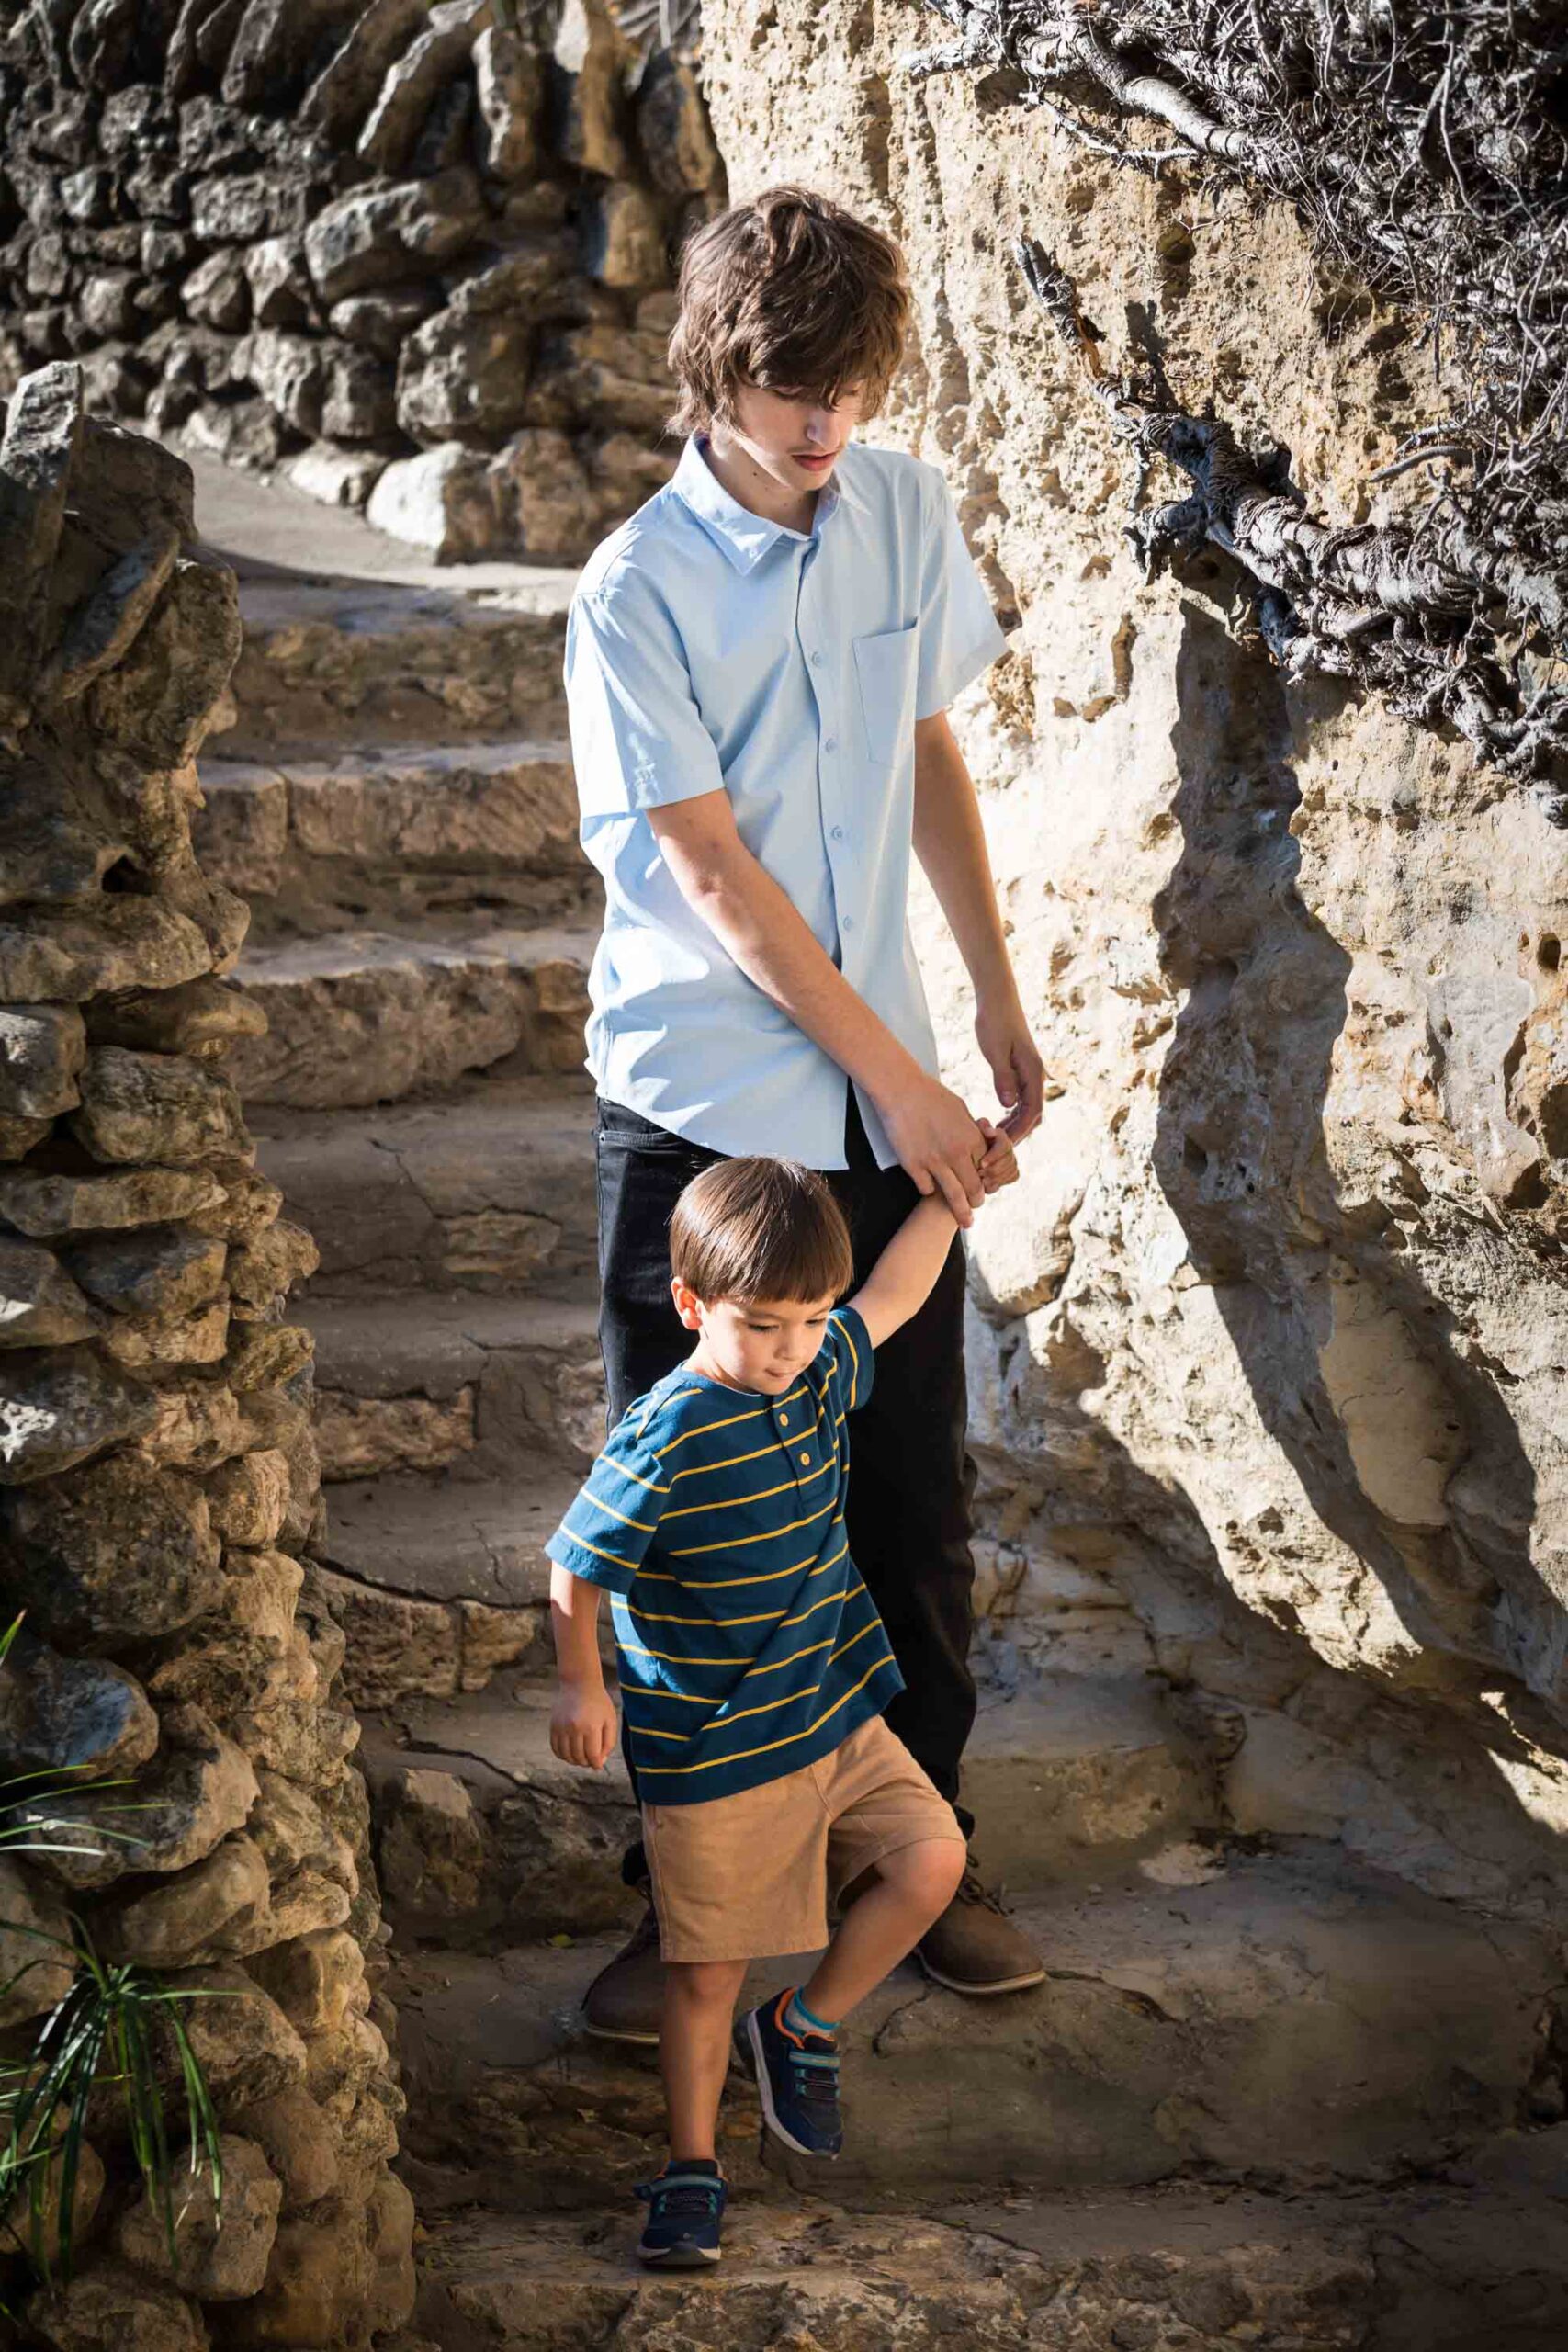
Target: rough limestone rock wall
[(415, 255), (1272, 1344), (158, 1477)]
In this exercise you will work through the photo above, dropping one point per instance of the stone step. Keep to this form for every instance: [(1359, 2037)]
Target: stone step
[(447, 1539), (369, 1017), (480, 1380), (481, 1835), (336, 662), (1477, 2257), (378, 835), (437, 1583), (1286, 2018), (1075, 1781), (490, 1190)]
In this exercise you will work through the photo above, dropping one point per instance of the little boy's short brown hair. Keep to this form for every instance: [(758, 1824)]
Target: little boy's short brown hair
[(754, 1229), (792, 293)]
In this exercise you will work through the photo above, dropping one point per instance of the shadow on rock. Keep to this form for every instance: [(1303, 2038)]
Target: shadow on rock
[(1405, 1450)]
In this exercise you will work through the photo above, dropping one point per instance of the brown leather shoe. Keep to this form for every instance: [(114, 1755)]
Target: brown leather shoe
[(974, 1948), (624, 2000)]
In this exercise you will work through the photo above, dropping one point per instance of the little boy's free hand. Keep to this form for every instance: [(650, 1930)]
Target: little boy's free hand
[(582, 1725)]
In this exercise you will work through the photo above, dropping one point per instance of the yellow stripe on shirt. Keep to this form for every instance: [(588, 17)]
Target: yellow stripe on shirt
[(733, 1502), (767, 1535), (854, 1357), (715, 1763), (643, 1526), (723, 1584), (669, 1657)]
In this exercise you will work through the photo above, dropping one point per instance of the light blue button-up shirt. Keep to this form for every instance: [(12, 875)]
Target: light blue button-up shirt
[(710, 650)]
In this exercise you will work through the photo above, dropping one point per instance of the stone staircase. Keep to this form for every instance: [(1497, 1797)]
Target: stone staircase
[(1176, 2140)]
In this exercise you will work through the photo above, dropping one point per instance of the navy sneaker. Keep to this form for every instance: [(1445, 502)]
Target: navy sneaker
[(686, 2215), (798, 2076)]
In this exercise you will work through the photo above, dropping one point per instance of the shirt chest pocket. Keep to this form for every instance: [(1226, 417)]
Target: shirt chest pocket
[(885, 668)]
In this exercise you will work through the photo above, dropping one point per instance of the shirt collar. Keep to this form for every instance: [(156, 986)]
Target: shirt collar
[(743, 536)]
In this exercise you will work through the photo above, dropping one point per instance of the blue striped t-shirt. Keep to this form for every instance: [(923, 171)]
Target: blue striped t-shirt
[(748, 1646)]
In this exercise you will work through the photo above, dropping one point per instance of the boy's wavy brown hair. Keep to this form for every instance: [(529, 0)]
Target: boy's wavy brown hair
[(792, 293)]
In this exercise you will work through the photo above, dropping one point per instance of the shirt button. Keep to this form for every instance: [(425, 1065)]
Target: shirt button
[(838, 833), (783, 1421), (817, 660), (847, 923), (830, 743), (806, 1457)]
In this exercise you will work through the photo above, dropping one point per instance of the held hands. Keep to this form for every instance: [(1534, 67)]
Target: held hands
[(582, 1725), (947, 1150), (938, 1144)]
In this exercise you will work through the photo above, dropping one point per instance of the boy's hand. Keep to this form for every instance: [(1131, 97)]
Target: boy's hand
[(1017, 1070), (582, 1725), (1000, 1166)]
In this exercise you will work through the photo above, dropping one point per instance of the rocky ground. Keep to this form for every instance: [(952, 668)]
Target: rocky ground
[(1270, 2093)]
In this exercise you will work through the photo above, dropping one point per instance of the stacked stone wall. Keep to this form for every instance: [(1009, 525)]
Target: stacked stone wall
[(159, 1485), (409, 253)]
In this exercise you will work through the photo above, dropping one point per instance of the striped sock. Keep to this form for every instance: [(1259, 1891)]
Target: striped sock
[(798, 2018)]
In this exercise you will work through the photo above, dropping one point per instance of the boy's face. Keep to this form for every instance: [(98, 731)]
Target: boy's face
[(795, 441), (754, 1343)]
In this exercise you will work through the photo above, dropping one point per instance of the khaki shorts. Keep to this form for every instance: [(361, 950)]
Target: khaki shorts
[(746, 1876)]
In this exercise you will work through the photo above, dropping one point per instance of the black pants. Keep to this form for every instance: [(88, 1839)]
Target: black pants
[(912, 1478)]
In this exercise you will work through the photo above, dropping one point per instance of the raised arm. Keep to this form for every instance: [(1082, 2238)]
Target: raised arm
[(901, 1281)]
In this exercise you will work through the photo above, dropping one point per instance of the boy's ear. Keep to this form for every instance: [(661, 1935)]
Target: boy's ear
[(686, 1303)]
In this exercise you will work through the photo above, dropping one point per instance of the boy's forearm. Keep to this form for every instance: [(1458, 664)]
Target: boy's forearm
[(574, 1623), (903, 1277), (771, 943), (949, 842)]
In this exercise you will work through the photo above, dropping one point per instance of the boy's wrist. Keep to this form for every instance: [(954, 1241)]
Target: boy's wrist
[(996, 989), (588, 1680)]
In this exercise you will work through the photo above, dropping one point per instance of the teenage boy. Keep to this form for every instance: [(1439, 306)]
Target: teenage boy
[(754, 1667), (757, 668)]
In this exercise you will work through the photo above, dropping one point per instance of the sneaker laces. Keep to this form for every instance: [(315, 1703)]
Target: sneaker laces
[(814, 2075), (690, 2197)]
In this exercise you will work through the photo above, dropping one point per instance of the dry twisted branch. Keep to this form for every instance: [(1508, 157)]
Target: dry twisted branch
[(1426, 149), (1416, 614)]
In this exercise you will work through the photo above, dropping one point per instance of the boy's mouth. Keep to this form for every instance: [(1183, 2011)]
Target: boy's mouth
[(816, 461)]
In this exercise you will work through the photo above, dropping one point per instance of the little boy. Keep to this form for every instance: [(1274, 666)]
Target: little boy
[(754, 1667)]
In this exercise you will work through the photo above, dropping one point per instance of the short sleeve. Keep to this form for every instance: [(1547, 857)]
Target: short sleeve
[(960, 635), (612, 1519), (638, 738), (853, 1366)]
